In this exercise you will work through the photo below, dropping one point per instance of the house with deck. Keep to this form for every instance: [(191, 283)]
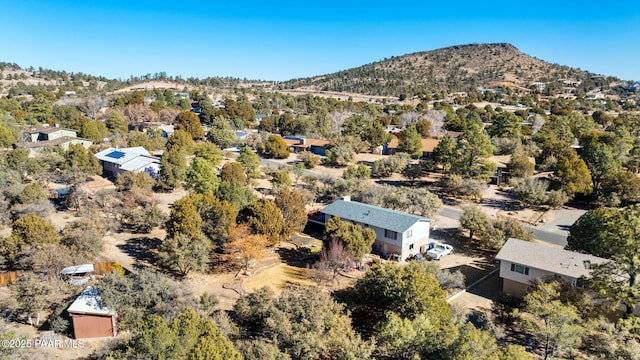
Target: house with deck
[(524, 262), (116, 161), (399, 235)]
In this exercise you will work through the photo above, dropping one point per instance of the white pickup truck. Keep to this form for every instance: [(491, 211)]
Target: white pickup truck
[(439, 250)]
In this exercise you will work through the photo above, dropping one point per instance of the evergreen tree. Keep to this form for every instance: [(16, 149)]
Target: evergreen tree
[(445, 152), (410, 141), (173, 169), (189, 122), (250, 162), (201, 177), (473, 149), (276, 147)]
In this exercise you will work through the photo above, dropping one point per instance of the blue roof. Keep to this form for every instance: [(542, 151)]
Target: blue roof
[(373, 215), (116, 154)]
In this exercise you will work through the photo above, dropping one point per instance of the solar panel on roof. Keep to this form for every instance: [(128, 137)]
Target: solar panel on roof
[(116, 154)]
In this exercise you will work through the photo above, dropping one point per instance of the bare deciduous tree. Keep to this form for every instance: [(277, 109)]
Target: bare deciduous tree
[(138, 114), (91, 105), (332, 259)]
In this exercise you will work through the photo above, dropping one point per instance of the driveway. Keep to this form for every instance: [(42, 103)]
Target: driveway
[(561, 220), (494, 200)]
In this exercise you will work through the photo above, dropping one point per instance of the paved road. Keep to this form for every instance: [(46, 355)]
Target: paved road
[(553, 237)]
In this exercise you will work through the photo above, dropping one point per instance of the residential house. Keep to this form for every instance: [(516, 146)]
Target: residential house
[(398, 235), (428, 145), (392, 129), (166, 130), (523, 262), (259, 117), (594, 96), (90, 318), (540, 86), (297, 144), (36, 139), (502, 172), (116, 161)]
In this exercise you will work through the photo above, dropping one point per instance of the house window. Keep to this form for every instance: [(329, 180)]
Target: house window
[(409, 233), (520, 269), (390, 234), (410, 246)]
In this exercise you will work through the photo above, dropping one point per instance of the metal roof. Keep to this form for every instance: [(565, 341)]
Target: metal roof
[(89, 302), (121, 156), (77, 269), (373, 215), (549, 258), (139, 163)]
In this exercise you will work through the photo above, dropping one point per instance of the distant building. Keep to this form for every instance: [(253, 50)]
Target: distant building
[(428, 145), (36, 139), (540, 86), (166, 130), (393, 129), (136, 159), (90, 318), (502, 163), (297, 144)]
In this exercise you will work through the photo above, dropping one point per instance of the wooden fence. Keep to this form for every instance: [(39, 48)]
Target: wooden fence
[(102, 268), (99, 268), (7, 278)]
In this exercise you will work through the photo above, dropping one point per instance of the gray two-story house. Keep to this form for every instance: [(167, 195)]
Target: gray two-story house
[(399, 235)]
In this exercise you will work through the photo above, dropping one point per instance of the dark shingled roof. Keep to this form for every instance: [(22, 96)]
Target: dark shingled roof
[(373, 215)]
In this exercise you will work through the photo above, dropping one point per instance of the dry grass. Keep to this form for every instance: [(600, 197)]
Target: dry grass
[(277, 278)]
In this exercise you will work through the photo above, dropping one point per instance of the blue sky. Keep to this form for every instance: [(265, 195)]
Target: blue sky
[(281, 40)]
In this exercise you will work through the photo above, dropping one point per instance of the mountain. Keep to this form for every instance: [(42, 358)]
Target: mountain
[(464, 68), (455, 68)]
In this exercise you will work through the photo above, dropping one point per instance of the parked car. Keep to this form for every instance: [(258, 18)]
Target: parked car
[(439, 250), (416, 257)]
